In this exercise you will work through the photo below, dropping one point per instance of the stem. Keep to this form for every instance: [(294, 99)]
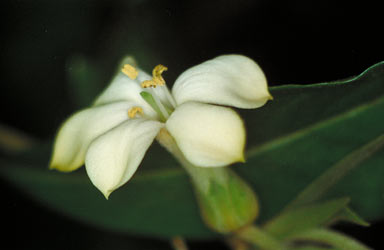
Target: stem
[(13, 140), (259, 238), (178, 243), (238, 244)]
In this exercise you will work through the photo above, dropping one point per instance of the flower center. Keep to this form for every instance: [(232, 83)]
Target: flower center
[(156, 92)]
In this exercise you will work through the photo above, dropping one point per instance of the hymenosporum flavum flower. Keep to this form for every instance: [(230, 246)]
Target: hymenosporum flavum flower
[(113, 135)]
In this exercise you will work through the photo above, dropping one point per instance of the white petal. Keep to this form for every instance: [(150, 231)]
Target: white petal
[(113, 157), (208, 135), (122, 88), (80, 129), (232, 80)]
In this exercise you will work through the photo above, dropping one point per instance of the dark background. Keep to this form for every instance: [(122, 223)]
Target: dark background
[(44, 43)]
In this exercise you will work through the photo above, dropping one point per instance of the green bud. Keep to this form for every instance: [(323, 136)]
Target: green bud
[(226, 204)]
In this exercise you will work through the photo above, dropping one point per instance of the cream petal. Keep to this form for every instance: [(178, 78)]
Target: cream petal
[(208, 135), (122, 88), (113, 157), (232, 80), (80, 129)]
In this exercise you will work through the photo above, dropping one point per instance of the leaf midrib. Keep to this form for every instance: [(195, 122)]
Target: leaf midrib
[(274, 143)]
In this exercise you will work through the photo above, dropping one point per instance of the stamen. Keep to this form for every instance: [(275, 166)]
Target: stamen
[(132, 112), (157, 79), (160, 99), (148, 84), (130, 71), (156, 73)]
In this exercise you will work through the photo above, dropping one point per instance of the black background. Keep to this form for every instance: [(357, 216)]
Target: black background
[(295, 42)]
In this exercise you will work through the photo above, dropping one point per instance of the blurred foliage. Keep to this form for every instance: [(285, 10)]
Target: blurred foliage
[(47, 46)]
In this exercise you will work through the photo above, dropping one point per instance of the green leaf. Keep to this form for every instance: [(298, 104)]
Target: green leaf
[(348, 215), (306, 130), (259, 238), (292, 140), (159, 204), (312, 248), (329, 237), (334, 174), (304, 218)]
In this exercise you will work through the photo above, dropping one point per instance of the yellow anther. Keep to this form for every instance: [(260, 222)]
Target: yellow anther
[(156, 73), (130, 71), (158, 70), (132, 112), (148, 84), (157, 79)]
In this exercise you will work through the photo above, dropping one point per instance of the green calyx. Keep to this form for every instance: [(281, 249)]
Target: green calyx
[(228, 205)]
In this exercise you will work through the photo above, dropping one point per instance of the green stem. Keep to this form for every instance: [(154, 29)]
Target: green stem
[(178, 243), (330, 177), (259, 238)]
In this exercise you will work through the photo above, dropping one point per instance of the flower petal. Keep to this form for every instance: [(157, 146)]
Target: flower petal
[(113, 157), (80, 129), (232, 80), (208, 135), (122, 88)]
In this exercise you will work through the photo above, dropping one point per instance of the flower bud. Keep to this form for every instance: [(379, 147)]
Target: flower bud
[(226, 202)]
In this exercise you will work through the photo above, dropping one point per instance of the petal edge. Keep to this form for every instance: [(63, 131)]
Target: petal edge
[(232, 80), (208, 135), (113, 157), (78, 131)]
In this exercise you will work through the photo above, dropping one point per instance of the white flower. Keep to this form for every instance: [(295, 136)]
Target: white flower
[(113, 135)]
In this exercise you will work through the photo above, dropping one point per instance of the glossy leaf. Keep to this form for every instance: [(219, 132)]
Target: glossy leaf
[(326, 181), (348, 215), (306, 130), (291, 141), (304, 218), (328, 237)]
